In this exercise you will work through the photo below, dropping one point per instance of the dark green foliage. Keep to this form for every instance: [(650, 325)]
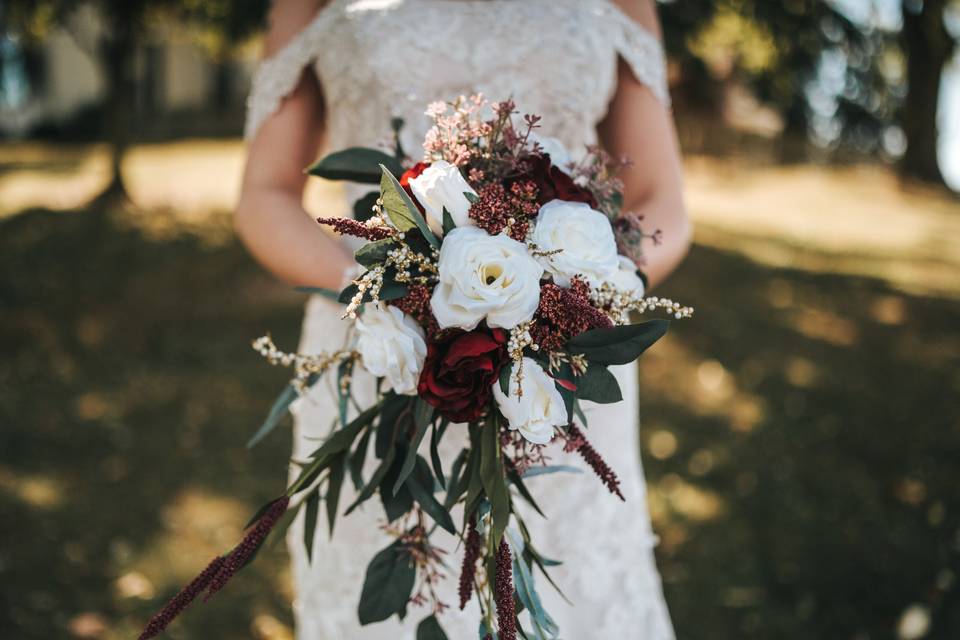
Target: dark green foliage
[(430, 629), (388, 585), (356, 164), (619, 345), (277, 413), (597, 384)]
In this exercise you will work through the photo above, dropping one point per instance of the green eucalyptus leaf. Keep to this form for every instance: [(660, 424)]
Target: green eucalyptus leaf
[(421, 485), (358, 459), (544, 626), (400, 208), (569, 398), (310, 517), (598, 385), (517, 481), (485, 633), (578, 412), (340, 441), (493, 477), (397, 411), (457, 485), (435, 436), (329, 294), (618, 345), (448, 223), (422, 415), (374, 253), (505, 372), (277, 412), (388, 584), (546, 470), (395, 503), (430, 629), (391, 290), (338, 470), (371, 487), (363, 208), (344, 370), (356, 164)]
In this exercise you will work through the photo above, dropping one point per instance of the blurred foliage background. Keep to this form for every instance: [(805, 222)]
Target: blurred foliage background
[(800, 433)]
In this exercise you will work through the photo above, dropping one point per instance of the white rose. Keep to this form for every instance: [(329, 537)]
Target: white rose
[(583, 239), (484, 276), (440, 186), (626, 278), (559, 156), (391, 345), (537, 409)]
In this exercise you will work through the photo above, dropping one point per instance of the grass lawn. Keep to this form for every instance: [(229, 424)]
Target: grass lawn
[(801, 433)]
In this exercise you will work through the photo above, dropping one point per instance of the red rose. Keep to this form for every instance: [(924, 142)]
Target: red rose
[(460, 370), (554, 184), (411, 173)]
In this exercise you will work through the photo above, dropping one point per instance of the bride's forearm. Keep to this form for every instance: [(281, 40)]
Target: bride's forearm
[(288, 243), (666, 216)]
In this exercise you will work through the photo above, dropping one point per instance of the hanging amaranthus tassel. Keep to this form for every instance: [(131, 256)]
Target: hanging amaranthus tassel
[(181, 601), (576, 441), (468, 571), (357, 229), (503, 594), (219, 571), (242, 553)]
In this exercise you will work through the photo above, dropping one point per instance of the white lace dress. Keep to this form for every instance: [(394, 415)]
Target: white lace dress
[(379, 59)]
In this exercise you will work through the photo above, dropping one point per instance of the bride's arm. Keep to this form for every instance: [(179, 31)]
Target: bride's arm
[(640, 127), (270, 218)]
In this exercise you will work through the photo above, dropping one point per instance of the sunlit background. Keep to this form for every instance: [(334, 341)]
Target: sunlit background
[(801, 434)]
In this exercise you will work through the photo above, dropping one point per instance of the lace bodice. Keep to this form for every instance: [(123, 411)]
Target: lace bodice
[(380, 59)]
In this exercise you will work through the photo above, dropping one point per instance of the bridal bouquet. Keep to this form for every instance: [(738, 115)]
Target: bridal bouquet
[(497, 287)]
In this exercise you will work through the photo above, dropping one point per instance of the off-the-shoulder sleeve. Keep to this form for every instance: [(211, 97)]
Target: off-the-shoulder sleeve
[(641, 50), (277, 76)]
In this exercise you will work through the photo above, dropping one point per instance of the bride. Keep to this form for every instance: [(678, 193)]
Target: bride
[(335, 74)]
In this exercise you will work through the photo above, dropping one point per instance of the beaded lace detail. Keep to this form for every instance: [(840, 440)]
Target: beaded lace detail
[(554, 57), (378, 59)]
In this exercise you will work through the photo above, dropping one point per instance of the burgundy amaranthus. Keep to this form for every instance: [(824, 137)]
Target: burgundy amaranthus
[(564, 313), (496, 207), (503, 593), (468, 571), (219, 571), (357, 229), (182, 600), (242, 553), (576, 441), (417, 305)]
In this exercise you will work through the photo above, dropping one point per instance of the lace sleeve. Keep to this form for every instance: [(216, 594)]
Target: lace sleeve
[(642, 52), (277, 76)]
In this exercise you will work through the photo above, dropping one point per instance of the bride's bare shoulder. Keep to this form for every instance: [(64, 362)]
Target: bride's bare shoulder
[(286, 19)]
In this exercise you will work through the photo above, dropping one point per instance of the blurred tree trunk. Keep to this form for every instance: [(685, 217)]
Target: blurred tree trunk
[(117, 52), (928, 46)]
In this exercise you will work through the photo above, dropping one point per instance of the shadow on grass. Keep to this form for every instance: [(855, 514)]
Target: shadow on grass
[(801, 436), (809, 485), (127, 390)]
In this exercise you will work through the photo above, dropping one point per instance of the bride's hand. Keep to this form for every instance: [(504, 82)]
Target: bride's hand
[(639, 127), (270, 218)]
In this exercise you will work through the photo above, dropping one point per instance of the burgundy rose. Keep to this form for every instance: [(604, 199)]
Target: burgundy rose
[(460, 370), (554, 184)]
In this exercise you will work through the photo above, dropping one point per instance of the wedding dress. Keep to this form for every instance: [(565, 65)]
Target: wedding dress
[(380, 59)]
